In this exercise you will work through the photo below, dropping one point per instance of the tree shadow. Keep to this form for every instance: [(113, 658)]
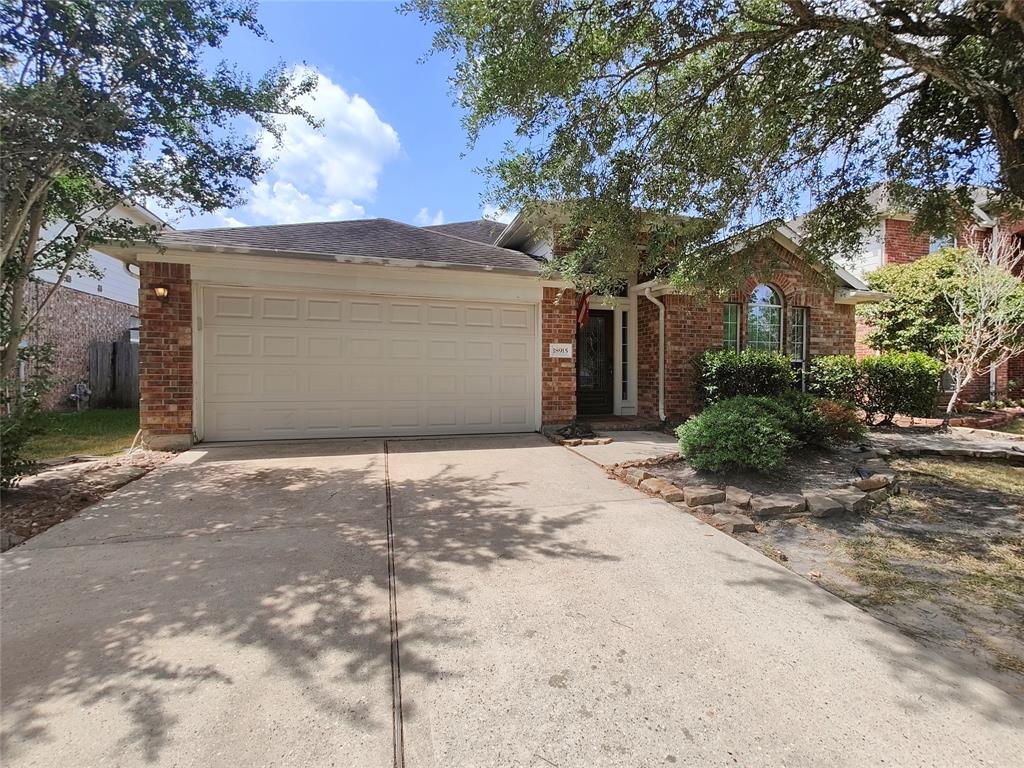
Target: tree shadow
[(152, 596)]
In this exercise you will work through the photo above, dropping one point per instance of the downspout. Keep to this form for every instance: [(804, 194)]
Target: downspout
[(661, 353)]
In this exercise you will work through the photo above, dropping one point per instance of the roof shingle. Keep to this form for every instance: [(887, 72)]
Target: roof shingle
[(480, 230), (362, 238)]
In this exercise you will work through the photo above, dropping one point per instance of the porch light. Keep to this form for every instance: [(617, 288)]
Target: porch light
[(160, 291)]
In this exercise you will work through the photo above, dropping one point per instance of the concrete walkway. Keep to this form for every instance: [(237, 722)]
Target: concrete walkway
[(232, 609)]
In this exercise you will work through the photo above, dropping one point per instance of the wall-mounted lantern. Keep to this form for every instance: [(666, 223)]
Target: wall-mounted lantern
[(161, 292)]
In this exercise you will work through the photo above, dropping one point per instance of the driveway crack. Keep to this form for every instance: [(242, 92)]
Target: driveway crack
[(398, 751)]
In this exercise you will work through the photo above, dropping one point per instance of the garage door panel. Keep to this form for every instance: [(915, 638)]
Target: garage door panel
[(288, 365)]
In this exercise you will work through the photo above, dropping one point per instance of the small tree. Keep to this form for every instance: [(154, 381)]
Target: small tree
[(986, 300), (963, 306)]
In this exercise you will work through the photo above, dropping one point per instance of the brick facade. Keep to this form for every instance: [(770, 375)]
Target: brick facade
[(165, 356), (70, 321), (901, 244), (558, 376), (694, 324)]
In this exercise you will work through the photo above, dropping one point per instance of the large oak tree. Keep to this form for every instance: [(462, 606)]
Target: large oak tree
[(693, 119)]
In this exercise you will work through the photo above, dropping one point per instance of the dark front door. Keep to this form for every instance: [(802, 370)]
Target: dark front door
[(594, 363)]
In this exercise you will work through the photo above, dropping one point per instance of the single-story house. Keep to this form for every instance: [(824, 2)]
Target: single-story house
[(373, 327)]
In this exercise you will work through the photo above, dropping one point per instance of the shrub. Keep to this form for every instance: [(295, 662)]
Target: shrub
[(840, 423), (19, 414), (836, 377), (899, 382), (722, 374), (739, 433)]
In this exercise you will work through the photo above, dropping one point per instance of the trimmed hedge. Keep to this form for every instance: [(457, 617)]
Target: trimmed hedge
[(894, 383), (749, 432), (739, 433), (722, 374)]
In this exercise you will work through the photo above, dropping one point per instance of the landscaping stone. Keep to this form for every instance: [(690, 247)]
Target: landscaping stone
[(872, 483), (603, 441), (656, 485), (733, 522), (697, 495), (879, 495), (821, 505), (851, 499), (737, 496), (572, 442), (778, 505), (671, 493), (636, 476), (8, 540)]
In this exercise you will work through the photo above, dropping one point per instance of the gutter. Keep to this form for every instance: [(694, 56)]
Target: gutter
[(661, 352)]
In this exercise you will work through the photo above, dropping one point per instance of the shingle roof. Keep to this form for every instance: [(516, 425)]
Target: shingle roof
[(363, 238), (480, 230)]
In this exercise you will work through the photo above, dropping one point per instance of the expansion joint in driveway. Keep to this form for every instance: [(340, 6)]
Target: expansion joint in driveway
[(396, 665)]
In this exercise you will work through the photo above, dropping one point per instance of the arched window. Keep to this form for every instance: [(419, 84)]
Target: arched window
[(764, 319)]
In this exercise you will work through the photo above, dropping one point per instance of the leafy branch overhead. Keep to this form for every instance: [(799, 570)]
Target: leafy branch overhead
[(688, 121), (104, 102)]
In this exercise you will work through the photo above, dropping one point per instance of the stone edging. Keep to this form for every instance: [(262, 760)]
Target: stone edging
[(735, 510), (997, 454)]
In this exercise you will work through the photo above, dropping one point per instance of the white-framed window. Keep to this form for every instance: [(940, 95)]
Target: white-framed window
[(799, 334), (764, 319), (936, 243), (731, 327)]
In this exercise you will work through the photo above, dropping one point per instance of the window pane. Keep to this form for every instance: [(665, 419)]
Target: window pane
[(798, 334), (764, 320), (731, 327)]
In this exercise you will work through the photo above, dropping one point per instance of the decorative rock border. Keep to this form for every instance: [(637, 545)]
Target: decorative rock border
[(736, 510), (1012, 456)]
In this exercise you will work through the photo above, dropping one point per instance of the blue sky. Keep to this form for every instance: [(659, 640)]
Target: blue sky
[(392, 144)]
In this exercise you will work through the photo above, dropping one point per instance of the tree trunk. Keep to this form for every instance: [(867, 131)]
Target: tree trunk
[(16, 332)]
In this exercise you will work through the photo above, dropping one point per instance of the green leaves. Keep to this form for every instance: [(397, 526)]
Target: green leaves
[(734, 113)]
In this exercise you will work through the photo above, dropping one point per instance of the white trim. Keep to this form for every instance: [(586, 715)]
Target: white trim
[(198, 399)]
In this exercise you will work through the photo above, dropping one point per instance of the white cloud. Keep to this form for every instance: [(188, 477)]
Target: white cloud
[(423, 218), (282, 203), (494, 213)]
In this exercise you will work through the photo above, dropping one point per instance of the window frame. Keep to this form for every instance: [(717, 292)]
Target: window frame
[(779, 343), (736, 308)]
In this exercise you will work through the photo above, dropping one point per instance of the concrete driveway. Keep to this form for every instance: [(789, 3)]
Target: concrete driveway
[(232, 608)]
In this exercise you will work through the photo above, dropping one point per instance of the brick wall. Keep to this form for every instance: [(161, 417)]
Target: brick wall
[(558, 375), (70, 321), (693, 324), (165, 356), (901, 244)]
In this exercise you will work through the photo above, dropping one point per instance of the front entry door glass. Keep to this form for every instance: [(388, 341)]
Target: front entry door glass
[(595, 383)]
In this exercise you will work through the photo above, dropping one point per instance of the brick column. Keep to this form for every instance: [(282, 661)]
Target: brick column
[(558, 375), (165, 356)]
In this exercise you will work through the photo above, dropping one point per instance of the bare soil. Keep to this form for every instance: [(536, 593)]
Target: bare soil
[(810, 469), (55, 494), (943, 561)]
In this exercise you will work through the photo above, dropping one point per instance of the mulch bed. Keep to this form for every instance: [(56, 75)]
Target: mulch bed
[(55, 494)]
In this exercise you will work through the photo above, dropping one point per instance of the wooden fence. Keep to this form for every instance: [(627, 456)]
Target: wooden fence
[(114, 374)]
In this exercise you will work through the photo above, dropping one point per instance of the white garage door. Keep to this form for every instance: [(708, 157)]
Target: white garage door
[(286, 365)]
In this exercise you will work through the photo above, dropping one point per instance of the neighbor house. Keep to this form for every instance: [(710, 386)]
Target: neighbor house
[(76, 309), (373, 327), (893, 240)]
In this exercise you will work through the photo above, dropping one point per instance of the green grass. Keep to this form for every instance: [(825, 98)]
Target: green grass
[(1015, 427), (95, 433)]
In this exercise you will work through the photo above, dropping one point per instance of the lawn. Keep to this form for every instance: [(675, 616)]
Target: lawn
[(1015, 427), (93, 433)]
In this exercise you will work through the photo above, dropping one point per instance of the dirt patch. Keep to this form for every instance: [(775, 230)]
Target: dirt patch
[(810, 470), (943, 561), (53, 495)]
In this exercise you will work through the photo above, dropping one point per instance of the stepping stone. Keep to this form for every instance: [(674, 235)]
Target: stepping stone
[(737, 496), (820, 505), (872, 483), (697, 495), (733, 522), (852, 500)]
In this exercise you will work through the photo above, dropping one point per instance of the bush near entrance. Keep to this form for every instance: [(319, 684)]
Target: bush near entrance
[(722, 374)]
